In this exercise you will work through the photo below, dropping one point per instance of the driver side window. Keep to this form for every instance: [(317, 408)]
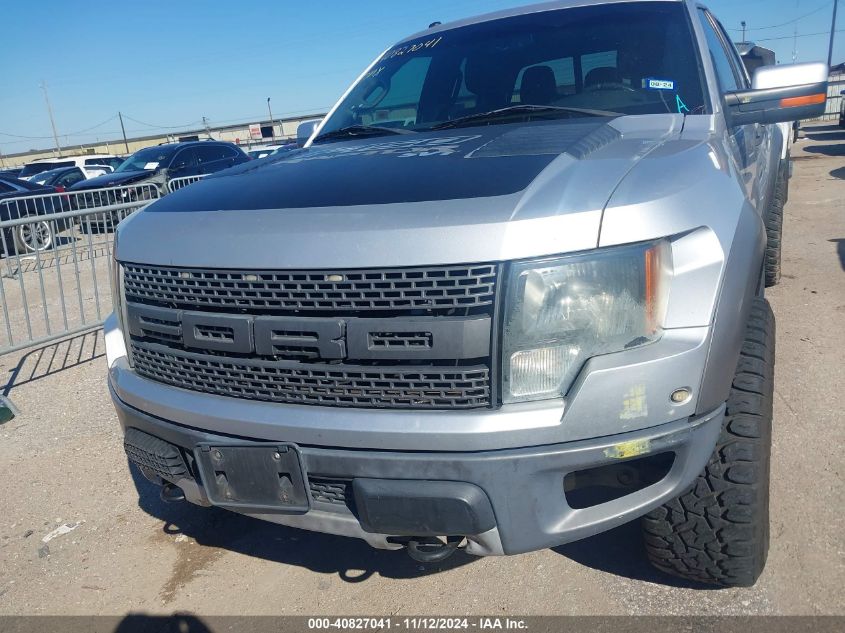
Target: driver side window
[(184, 159), (71, 179)]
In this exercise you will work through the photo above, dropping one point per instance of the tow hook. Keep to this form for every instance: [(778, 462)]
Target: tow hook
[(428, 549), (171, 493)]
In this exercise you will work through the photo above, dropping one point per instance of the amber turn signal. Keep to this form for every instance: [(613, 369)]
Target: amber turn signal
[(795, 102)]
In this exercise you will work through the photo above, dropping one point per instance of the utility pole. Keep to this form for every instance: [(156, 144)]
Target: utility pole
[(743, 31), (832, 31), (205, 124), (123, 129), (50, 112), (795, 46), (272, 126)]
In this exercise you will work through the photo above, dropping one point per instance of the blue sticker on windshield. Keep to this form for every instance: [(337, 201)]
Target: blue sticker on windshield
[(658, 84)]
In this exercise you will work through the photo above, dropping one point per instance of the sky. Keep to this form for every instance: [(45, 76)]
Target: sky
[(166, 65)]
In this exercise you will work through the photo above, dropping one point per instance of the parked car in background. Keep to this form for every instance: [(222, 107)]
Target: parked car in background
[(155, 166), (46, 164), (171, 160), (19, 199), (65, 177), (261, 151), (287, 147), (268, 150), (842, 109), (14, 172)]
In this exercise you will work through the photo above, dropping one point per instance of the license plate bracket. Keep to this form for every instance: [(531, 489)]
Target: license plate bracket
[(249, 478)]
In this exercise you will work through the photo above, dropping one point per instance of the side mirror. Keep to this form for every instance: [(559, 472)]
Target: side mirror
[(780, 94), (305, 130)]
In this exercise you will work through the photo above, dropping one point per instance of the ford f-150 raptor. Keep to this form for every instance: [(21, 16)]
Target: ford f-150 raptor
[(509, 294)]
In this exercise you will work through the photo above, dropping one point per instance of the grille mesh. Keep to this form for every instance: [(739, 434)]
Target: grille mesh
[(396, 387), (437, 289)]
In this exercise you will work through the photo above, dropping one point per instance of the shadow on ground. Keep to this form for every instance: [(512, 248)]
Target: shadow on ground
[(621, 552), (838, 173), (51, 359), (840, 248), (824, 133), (833, 149), (832, 136), (350, 559), (177, 623)]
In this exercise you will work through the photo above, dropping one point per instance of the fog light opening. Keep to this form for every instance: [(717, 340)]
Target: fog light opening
[(594, 486)]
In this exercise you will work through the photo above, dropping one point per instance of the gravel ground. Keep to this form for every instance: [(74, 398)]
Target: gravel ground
[(63, 465)]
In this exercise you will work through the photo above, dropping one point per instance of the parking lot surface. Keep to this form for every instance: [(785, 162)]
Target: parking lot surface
[(63, 465)]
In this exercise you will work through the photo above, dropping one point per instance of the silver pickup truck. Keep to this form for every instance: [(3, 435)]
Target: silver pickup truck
[(509, 294)]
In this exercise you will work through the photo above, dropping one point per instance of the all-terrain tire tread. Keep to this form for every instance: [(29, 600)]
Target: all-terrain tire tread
[(774, 231), (717, 532)]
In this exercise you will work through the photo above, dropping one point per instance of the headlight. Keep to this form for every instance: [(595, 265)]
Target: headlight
[(560, 312)]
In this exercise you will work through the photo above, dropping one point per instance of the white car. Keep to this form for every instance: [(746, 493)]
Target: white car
[(46, 164), (65, 177), (261, 151)]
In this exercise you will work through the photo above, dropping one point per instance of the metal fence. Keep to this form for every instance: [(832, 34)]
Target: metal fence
[(834, 97), (178, 183), (56, 271)]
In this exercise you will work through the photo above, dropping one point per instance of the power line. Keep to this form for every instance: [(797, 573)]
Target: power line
[(79, 133), (793, 21), (789, 37), (161, 127)]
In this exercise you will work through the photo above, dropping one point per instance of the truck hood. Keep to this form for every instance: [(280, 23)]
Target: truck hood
[(112, 180), (469, 195)]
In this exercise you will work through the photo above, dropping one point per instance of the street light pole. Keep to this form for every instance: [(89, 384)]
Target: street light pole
[(743, 31), (832, 31), (272, 126), (50, 112)]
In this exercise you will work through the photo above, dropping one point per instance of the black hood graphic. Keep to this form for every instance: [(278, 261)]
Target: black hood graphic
[(446, 165)]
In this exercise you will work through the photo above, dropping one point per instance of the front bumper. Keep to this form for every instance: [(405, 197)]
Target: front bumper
[(525, 486)]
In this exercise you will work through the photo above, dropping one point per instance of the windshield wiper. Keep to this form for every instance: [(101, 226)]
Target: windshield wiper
[(502, 114), (362, 131)]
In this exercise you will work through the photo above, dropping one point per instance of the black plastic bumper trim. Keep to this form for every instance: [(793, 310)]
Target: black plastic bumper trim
[(422, 508)]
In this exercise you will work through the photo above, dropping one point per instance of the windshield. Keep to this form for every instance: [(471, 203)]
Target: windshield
[(628, 58), (37, 168), (148, 159), (47, 177)]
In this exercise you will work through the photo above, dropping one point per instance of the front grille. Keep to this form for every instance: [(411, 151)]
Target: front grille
[(434, 290), (393, 387)]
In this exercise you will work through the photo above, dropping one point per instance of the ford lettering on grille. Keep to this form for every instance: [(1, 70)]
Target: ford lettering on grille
[(327, 339)]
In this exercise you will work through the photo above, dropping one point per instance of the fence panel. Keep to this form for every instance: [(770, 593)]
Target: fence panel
[(55, 275), (834, 97), (174, 184)]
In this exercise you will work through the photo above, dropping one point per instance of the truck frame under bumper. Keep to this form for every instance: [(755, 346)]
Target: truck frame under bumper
[(504, 502)]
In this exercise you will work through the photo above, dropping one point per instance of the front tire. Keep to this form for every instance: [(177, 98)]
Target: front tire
[(717, 532)]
